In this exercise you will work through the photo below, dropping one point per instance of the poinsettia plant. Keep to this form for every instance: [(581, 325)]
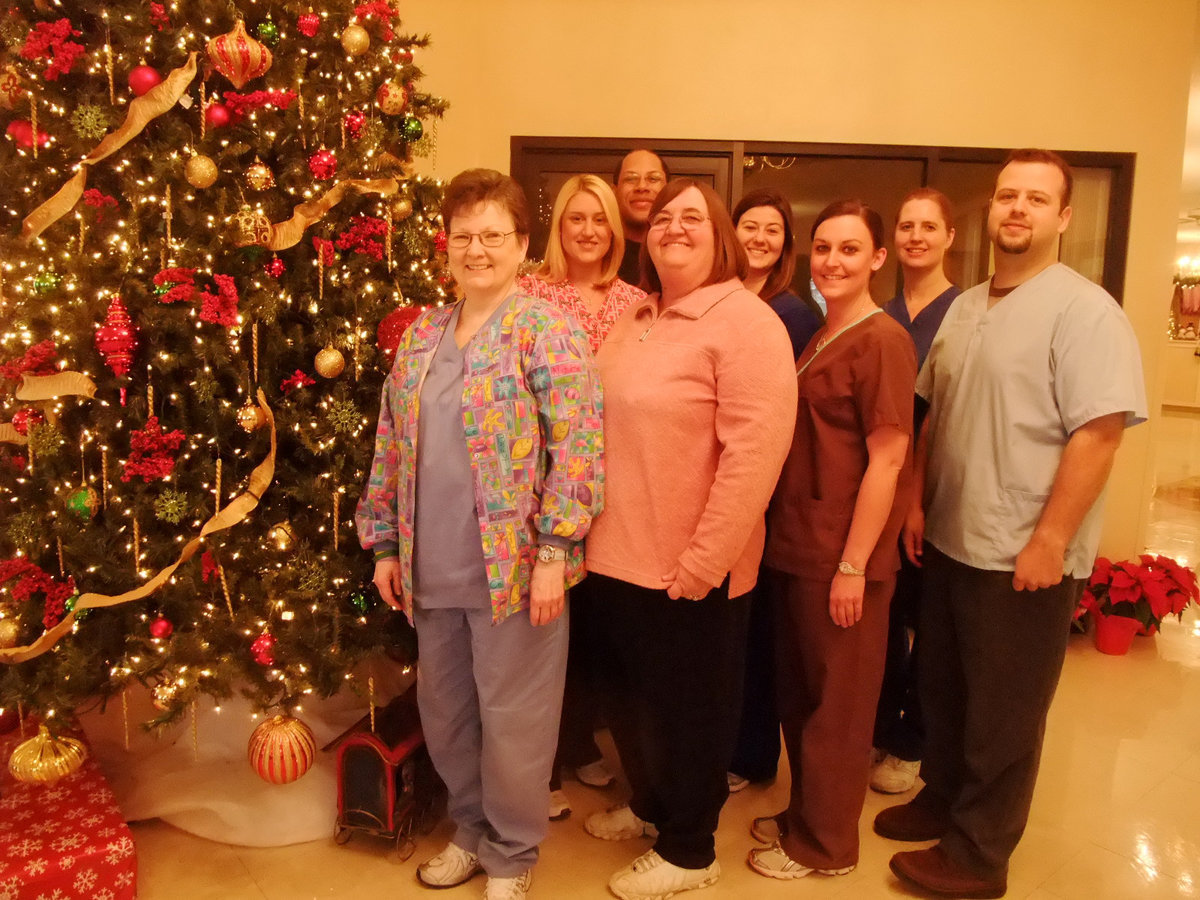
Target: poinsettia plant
[(1147, 589)]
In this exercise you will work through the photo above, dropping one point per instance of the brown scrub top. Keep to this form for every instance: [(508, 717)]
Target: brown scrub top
[(861, 380)]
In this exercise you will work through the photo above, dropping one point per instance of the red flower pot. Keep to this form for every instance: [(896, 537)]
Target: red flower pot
[(1114, 634)]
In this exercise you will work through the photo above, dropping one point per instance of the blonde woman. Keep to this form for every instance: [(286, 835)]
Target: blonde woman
[(579, 276), (583, 255)]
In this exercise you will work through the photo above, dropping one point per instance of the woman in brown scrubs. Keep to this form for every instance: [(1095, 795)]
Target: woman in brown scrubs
[(833, 526)]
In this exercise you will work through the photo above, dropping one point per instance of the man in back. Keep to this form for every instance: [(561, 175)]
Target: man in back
[(638, 179)]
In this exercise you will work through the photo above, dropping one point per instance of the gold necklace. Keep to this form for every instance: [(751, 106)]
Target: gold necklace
[(854, 319)]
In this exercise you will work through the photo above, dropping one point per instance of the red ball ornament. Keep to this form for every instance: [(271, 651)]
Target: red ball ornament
[(143, 79), (439, 242), (25, 418), (161, 628), (391, 330), (22, 132), (263, 649), (239, 57), (323, 164), (117, 337), (403, 56), (354, 121), (276, 267), (282, 749), (309, 24), (217, 115)]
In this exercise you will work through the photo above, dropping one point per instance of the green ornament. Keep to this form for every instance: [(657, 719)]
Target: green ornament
[(84, 503), (69, 603), (413, 129), (45, 282), (268, 31), (160, 289), (360, 600)]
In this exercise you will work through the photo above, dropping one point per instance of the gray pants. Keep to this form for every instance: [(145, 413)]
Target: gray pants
[(490, 697)]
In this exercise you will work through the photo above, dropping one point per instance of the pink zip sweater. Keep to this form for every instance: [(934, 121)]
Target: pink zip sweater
[(700, 402)]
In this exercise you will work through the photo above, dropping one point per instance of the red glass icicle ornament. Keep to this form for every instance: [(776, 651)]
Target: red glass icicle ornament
[(117, 337)]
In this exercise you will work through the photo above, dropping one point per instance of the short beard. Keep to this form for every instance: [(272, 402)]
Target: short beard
[(1014, 246)]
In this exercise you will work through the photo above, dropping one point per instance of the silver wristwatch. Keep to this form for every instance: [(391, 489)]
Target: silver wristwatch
[(549, 553)]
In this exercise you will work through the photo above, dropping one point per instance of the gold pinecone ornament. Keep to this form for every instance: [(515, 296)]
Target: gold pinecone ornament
[(44, 758)]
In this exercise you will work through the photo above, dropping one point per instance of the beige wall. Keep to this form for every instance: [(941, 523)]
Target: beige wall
[(1070, 74)]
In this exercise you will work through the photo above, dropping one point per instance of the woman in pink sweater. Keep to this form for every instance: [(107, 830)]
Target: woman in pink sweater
[(700, 400)]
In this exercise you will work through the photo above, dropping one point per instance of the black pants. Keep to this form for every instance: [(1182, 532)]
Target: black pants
[(672, 680), (756, 755), (898, 727), (990, 661), (577, 729)]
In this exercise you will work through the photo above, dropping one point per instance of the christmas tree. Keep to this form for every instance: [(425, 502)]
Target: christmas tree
[(213, 236)]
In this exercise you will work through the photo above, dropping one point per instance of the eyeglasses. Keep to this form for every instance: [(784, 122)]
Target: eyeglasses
[(689, 219), (461, 240), (634, 178)]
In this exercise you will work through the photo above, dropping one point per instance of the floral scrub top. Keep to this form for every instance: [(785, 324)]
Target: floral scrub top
[(531, 413), (620, 296)]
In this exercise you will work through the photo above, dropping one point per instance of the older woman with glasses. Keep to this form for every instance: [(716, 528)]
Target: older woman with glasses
[(486, 477), (700, 400), (579, 276)]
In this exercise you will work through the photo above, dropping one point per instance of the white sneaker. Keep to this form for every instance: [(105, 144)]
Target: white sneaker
[(451, 867), (560, 806), (775, 863), (516, 888), (895, 775), (596, 774), (618, 824), (650, 877), (736, 782)]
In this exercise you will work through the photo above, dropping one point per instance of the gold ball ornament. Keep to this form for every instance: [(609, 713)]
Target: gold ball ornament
[(251, 417), (282, 749), (163, 695), (259, 176), (329, 363), (43, 759), (200, 171), (355, 40), (10, 633), (402, 208)]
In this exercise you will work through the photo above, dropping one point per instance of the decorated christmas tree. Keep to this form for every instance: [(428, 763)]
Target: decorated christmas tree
[(213, 235)]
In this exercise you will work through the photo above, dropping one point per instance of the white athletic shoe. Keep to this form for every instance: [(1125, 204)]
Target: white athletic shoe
[(451, 867), (895, 775), (775, 863), (618, 824), (508, 888), (650, 877)]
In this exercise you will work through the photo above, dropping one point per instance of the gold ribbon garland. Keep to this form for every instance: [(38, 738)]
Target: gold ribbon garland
[(289, 233), (237, 510), (41, 388), (142, 112)]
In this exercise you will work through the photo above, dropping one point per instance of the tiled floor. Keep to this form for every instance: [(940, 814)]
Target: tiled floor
[(1116, 815)]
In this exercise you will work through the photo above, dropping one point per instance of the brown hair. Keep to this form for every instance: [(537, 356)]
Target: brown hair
[(859, 210), (929, 193), (729, 257), (781, 273), (474, 187), (1035, 155)]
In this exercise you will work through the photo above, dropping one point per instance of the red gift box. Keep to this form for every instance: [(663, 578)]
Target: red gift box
[(66, 840)]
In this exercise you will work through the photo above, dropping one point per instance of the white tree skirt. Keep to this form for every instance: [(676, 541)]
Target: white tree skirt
[(207, 787)]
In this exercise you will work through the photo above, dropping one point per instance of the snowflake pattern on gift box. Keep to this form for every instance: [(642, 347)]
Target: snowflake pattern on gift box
[(104, 894), (119, 850), (125, 879), (26, 847), (92, 821), (56, 894), (68, 842), (35, 867), (10, 889), (66, 862), (85, 880)]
